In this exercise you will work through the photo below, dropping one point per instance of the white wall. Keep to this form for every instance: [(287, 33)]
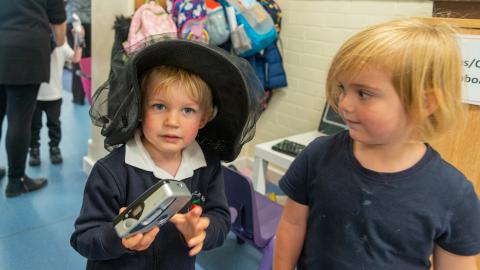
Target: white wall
[(312, 31), (103, 17)]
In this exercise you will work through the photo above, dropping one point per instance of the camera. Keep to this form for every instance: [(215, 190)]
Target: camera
[(153, 208)]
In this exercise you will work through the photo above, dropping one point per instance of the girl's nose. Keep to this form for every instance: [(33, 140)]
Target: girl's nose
[(345, 102)]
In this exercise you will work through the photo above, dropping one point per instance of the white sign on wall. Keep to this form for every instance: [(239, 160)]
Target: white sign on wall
[(470, 47)]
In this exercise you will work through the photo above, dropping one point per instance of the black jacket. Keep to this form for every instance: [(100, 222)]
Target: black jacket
[(113, 184)]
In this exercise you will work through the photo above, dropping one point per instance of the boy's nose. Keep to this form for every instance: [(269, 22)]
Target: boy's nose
[(172, 119)]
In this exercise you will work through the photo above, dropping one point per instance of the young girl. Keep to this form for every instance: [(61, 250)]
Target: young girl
[(177, 99), (377, 196)]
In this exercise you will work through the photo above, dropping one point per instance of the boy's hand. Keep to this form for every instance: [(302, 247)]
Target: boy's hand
[(192, 226), (139, 241)]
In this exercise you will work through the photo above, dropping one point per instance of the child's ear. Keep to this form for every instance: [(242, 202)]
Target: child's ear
[(208, 116), (430, 102), (204, 121)]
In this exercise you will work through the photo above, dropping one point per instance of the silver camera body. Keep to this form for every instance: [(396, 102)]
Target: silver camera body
[(153, 208)]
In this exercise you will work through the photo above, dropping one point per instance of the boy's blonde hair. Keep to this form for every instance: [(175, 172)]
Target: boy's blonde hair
[(424, 62), (168, 78)]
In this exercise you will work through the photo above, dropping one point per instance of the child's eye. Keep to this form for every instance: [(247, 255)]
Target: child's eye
[(364, 94), (158, 107), (189, 111)]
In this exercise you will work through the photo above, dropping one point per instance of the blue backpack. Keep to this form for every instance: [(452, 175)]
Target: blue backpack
[(217, 25), (256, 22)]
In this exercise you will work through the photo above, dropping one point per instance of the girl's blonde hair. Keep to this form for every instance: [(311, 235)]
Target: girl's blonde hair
[(423, 60), (168, 78)]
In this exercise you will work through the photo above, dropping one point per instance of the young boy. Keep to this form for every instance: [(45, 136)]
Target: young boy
[(49, 100), (177, 88), (377, 196)]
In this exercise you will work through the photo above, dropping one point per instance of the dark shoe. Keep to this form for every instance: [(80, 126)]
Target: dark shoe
[(34, 157), (55, 155), (20, 185), (3, 171)]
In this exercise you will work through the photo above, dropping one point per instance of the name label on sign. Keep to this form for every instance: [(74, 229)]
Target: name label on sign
[(470, 47)]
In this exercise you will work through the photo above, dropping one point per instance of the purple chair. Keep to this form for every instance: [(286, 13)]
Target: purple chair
[(254, 217)]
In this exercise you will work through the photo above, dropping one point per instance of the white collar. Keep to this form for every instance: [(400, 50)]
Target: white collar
[(137, 156)]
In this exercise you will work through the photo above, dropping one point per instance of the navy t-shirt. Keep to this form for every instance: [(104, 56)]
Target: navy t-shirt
[(361, 219)]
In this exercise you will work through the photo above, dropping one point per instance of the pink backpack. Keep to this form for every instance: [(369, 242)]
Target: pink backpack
[(150, 19)]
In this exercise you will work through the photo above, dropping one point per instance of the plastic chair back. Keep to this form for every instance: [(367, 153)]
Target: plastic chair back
[(257, 216)]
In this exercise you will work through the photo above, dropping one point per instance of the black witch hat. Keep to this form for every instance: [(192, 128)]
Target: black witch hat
[(236, 90)]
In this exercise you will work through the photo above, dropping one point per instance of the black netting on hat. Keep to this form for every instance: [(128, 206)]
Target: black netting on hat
[(236, 90)]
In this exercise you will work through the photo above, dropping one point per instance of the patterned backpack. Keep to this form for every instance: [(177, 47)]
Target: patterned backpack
[(190, 17), (150, 19)]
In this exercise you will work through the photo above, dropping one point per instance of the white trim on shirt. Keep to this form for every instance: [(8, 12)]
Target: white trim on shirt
[(137, 156)]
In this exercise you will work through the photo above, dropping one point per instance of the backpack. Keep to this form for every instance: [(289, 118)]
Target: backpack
[(190, 17), (148, 20), (275, 12), (257, 24), (217, 25)]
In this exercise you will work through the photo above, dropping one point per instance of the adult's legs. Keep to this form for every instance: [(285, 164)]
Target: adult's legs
[(21, 102)]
